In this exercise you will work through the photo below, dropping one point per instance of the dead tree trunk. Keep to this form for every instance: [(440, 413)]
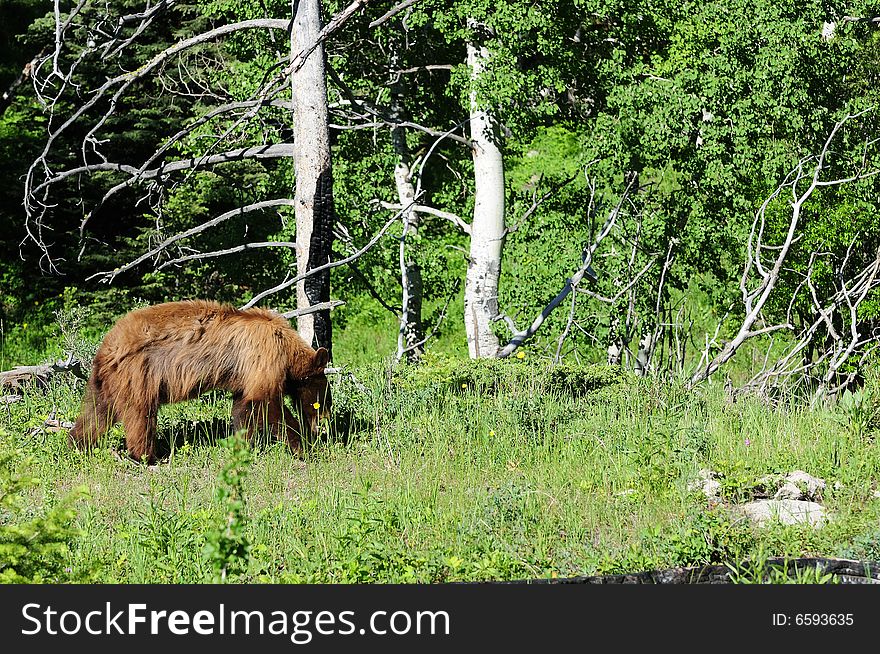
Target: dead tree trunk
[(487, 229), (314, 177), (26, 73), (411, 334)]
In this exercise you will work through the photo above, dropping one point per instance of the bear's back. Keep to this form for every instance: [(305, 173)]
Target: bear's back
[(189, 321)]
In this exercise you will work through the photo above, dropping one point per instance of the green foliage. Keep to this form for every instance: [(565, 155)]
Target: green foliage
[(427, 482), (739, 481), (861, 410), (74, 339), (759, 570), (698, 538), (528, 373), (227, 547), (364, 552), (34, 544), (865, 547), (166, 538)]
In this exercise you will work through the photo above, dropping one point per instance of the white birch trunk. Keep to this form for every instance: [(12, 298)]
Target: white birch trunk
[(314, 178), (411, 332), (487, 229), (645, 353)]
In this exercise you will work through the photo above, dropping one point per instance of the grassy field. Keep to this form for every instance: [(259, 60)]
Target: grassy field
[(453, 471)]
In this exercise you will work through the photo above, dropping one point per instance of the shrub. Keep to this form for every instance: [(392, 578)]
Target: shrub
[(228, 548), (437, 373), (35, 549)]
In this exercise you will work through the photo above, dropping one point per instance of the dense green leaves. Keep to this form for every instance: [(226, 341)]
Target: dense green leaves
[(705, 105)]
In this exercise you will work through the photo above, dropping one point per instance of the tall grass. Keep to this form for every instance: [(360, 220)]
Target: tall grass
[(456, 471)]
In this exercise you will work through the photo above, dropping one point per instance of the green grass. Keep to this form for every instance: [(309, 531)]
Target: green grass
[(501, 470)]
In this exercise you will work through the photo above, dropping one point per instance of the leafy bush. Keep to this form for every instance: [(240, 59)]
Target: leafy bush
[(699, 538), (228, 548), (437, 372), (32, 549)]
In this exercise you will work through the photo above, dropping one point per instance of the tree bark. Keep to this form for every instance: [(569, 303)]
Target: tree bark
[(314, 178), (487, 229)]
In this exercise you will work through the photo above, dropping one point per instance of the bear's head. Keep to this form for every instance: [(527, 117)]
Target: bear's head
[(309, 389)]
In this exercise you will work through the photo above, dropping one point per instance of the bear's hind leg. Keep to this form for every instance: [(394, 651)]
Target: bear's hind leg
[(95, 418)]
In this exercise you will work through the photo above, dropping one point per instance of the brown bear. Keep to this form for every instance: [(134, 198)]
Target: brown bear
[(175, 351)]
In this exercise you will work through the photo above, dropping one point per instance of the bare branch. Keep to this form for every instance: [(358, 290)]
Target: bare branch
[(115, 45), (333, 25), (322, 306), (755, 299), (420, 208), (572, 282), (327, 266), (429, 68), (277, 151), (257, 206), (391, 13), (19, 377), (233, 250), (367, 108), (626, 289)]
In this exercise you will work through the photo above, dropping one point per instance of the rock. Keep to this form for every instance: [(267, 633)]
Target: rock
[(796, 485), (811, 486), (712, 488), (707, 483), (788, 512), (789, 491)]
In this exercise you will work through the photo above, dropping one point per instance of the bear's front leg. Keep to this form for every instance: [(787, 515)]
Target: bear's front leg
[(248, 415), (270, 416), (288, 428)]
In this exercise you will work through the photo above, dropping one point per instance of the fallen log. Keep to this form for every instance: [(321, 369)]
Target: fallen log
[(843, 571), (50, 424), (21, 376)]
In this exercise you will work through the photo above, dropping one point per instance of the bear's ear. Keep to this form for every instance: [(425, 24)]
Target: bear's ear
[(321, 359)]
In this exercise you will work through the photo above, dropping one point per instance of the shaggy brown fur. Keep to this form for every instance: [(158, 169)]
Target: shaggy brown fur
[(176, 351)]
